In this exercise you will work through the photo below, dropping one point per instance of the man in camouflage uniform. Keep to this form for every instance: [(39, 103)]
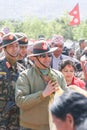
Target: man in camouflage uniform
[(9, 72), (22, 57)]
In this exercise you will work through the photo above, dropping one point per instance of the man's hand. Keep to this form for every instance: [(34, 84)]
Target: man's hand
[(50, 88)]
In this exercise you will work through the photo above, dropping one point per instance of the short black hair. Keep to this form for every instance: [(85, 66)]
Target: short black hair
[(65, 63), (70, 102), (81, 41), (82, 126), (41, 37)]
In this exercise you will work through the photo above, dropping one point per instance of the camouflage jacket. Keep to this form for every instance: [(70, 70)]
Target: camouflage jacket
[(8, 77)]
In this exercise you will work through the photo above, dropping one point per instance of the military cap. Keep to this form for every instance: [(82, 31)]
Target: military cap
[(42, 47), (8, 39), (23, 40)]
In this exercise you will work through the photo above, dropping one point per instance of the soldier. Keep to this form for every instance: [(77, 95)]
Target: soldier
[(35, 87), (9, 72), (23, 43)]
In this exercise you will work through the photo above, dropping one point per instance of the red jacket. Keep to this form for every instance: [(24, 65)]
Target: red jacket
[(78, 82)]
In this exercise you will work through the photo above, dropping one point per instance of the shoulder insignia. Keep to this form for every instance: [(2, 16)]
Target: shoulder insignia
[(2, 73)]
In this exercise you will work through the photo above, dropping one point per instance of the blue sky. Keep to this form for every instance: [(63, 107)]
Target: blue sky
[(41, 8)]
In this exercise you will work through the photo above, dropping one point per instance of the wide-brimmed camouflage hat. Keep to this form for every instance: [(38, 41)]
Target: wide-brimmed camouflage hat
[(23, 40), (42, 47), (8, 39)]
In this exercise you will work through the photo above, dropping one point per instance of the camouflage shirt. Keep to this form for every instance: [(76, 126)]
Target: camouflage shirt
[(9, 112)]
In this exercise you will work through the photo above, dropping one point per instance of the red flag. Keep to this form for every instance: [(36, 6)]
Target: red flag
[(76, 16)]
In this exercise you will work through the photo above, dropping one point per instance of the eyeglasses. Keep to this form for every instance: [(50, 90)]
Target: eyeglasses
[(44, 55)]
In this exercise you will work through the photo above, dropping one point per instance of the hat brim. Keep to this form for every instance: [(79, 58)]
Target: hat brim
[(11, 42), (50, 51), (21, 39)]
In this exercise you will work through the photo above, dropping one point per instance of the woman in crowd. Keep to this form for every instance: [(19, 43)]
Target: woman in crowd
[(69, 111), (68, 69)]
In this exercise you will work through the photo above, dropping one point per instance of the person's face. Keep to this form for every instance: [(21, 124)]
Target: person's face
[(45, 59), (67, 124), (22, 52), (83, 45), (59, 49), (12, 50), (68, 72), (71, 53)]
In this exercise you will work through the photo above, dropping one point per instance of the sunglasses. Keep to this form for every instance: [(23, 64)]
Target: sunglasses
[(44, 55)]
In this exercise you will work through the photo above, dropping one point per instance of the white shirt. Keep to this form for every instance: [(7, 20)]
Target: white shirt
[(57, 61)]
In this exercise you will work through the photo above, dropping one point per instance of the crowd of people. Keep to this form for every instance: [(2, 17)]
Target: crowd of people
[(33, 76)]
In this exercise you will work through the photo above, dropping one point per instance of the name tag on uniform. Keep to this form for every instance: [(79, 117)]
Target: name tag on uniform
[(2, 74)]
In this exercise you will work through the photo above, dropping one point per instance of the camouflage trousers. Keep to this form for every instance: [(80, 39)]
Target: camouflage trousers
[(9, 120)]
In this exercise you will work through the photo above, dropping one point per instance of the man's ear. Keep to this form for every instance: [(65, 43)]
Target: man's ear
[(70, 120)]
